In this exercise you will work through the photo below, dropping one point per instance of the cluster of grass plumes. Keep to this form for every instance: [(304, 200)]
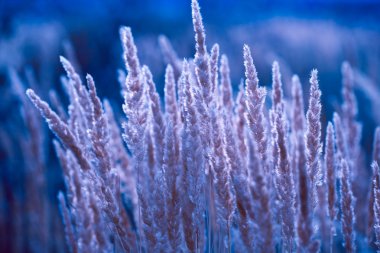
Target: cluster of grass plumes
[(210, 173)]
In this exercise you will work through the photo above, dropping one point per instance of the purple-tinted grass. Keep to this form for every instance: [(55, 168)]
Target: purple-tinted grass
[(206, 172)]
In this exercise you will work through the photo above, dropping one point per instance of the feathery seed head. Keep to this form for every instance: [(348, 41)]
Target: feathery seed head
[(250, 69), (276, 85), (131, 60), (200, 36)]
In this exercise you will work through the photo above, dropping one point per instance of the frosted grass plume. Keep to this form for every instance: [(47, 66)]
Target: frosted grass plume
[(205, 170)]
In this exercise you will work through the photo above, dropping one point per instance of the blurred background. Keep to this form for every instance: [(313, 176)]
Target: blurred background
[(301, 35)]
